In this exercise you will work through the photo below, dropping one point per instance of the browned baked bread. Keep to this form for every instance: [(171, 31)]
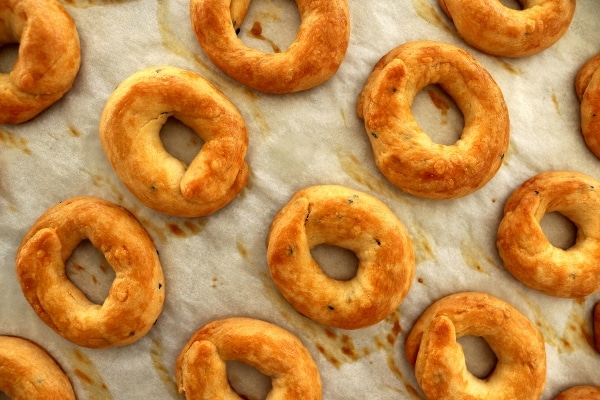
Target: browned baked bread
[(201, 370), (136, 297), (48, 61)]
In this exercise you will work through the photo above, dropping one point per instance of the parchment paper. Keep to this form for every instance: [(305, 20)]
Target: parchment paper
[(216, 266)]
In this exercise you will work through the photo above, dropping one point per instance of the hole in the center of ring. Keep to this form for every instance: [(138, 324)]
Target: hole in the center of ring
[(479, 357), (88, 269), (438, 115), (247, 381), (514, 4), (8, 57), (336, 262), (180, 141), (270, 26), (560, 231)]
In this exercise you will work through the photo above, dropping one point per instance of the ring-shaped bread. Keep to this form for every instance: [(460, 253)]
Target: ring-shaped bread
[(130, 134), (525, 249), (28, 372), (136, 297), (580, 392), (439, 360), (403, 152), (340, 216), (313, 57), (499, 30), (587, 87), (48, 59), (201, 369)]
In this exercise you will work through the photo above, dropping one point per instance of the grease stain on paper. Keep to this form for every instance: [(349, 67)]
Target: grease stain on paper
[(429, 14), (354, 169), (476, 257), (186, 228), (271, 12), (157, 356), (508, 67), (556, 103), (440, 100), (242, 249), (74, 131), (253, 97), (9, 139), (256, 32), (216, 282), (154, 227), (102, 181), (92, 382), (172, 43), (421, 244), (338, 346), (577, 334)]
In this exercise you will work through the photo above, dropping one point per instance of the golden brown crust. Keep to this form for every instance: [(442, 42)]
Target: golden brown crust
[(48, 61), (339, 216), (200, 369), (581, 392), (314, 56), (403, 152), (439, 361), (130, 134), (587, 87), (136, 297), (28, 372), (496, 29), (524, 248)]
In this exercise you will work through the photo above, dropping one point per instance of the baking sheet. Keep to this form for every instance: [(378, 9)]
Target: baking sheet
[(216, 266)]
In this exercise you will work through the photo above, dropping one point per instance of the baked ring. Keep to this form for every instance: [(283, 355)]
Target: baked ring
[(48, 60), (200, 369), (130, 134), (136, 297), (496, 29), (313, 57), (587, 87), (524, 248), (403, 152), (28, 372), (580, 392), (431, 346), (339, 216)]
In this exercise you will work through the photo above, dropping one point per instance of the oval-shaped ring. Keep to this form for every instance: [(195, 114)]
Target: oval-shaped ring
[(439, 360), (525, 249), (136, 297), (587, 87), (201, 369), (28, 372), (48, 60), (343, 217), (492, 27), (403, 152), (313, 57), (130, 134)]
